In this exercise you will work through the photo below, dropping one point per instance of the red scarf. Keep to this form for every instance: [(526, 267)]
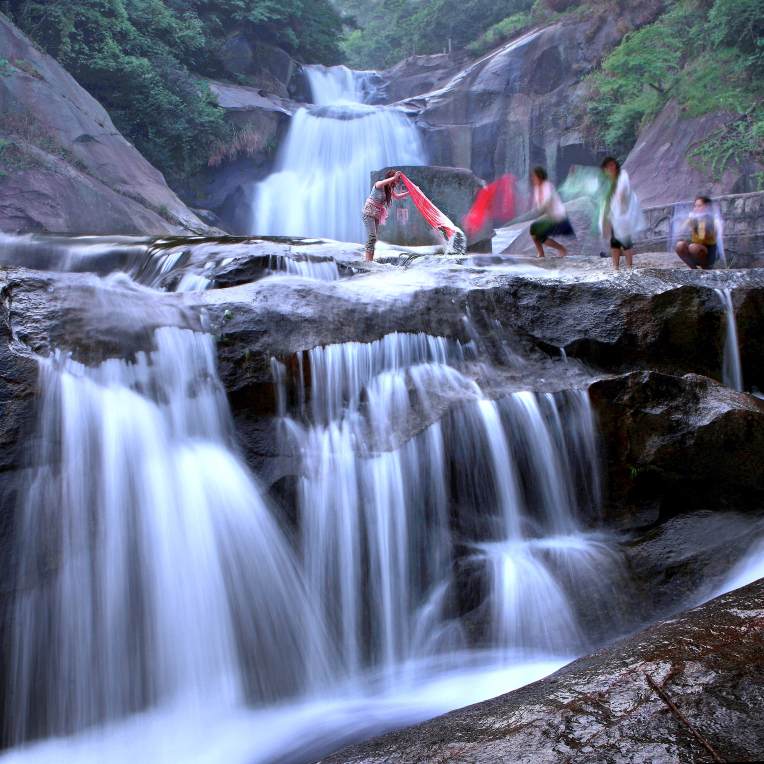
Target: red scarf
[(429, 211), (493, 207)]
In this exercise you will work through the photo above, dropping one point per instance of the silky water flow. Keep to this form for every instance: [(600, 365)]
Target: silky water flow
[(152, 571), (163, 615), (323, 166), (392, 431), (732, 372)]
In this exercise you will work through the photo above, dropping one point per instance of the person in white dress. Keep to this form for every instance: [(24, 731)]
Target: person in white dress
[(621, 213)]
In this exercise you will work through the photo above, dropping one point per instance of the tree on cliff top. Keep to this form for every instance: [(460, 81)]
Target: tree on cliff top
[(708, 56)]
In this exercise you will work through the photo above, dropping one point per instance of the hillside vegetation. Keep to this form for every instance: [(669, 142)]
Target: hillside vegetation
[(135, 57), (389, 30), (708, 57)]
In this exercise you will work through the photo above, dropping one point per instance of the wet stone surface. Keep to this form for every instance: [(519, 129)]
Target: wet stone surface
[(601, 708)]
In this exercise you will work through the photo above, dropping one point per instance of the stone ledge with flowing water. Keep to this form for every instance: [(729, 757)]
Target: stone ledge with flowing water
[(601, 708), (425, 433)]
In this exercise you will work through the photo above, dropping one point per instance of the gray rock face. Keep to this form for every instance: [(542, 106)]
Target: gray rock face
[(262, 65), (450, 189), (57, 197), (51, 101), (510, 110), (659, 165), (683, 561), (601, 708), (675, 442), (417, 75)]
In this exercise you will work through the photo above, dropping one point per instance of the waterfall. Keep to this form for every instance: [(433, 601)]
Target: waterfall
[(323, 166), (377, 502), (732, 373), (151, 570)]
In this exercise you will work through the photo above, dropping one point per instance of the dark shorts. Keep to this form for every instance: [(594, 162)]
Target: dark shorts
[(546, 229), (711, 257), (625, 244)]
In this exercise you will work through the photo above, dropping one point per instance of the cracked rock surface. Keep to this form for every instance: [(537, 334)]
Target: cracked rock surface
[(601, 708)]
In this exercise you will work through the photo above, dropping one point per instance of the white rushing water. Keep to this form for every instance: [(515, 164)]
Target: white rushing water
[(375, 503), (152, 571), (163, 616), (732, 372), (323, 166)]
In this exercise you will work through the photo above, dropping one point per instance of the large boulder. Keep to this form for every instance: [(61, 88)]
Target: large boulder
[(45, 193), (511, 109), (602, 708), (257, 64), (684, 560), (450, 189), (663, 170), (417, 75), (40, 103), (677, 442)]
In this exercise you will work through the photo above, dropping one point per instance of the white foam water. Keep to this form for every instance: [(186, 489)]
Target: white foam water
[(323, 167), (152, 571), (162, 615), (732, 372)]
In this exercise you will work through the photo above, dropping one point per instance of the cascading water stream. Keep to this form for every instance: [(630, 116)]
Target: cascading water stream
[(732, 372), (322, 171), (152, 572), (157, 592), (377, 507)]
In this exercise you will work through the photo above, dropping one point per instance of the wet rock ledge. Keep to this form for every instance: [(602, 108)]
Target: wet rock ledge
[(602, 709)]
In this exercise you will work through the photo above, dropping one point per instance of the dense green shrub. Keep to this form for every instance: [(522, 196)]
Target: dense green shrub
[(498, 33), (705, 56), (135, 56), (392, 28)]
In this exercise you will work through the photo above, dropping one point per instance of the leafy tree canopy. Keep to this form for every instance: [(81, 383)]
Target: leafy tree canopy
[(135, 56), (391, 28), (708, 56)]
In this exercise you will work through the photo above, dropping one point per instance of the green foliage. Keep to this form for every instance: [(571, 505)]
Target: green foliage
[(393, 27), (705, 58), (307, 29), (739, 23), (735, 141), (135, 57), (498, 33)]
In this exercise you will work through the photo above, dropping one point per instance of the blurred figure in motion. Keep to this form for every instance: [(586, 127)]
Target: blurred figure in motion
[(376, 207), (702, 222), (554, 220), (621, 214), (494, 206)]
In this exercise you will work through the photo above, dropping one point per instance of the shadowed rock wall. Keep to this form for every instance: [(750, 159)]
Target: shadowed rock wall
[(92, 180)]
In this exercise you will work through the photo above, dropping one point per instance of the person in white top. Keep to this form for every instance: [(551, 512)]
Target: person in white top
[(621, 214), (554, 217)]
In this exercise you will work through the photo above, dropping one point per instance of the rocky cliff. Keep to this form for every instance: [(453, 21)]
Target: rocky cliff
[(512, 109), (65, 167)]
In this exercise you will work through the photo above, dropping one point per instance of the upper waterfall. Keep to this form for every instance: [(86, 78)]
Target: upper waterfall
[(323, 166)]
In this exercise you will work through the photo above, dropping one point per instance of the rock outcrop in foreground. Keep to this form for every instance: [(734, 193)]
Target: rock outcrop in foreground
[(65, 167), (601, 708)]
